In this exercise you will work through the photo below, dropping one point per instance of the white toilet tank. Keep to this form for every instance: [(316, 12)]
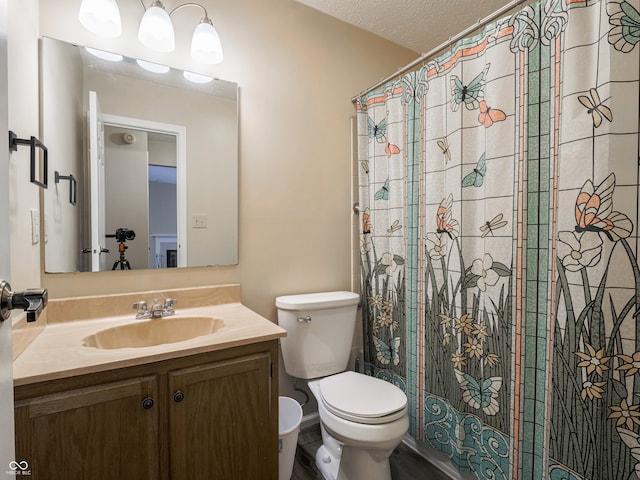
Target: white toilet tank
[(320, 329)]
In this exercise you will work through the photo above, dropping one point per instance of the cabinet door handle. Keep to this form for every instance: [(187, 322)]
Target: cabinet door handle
[(178, 396), (147, 403)]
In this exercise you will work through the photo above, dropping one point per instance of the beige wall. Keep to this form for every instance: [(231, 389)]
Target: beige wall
[(22, 45), (297, 70), (162, 152)]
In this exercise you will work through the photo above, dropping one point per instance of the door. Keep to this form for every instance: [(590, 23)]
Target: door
[(220, 423), (97, 185), (6, 372)]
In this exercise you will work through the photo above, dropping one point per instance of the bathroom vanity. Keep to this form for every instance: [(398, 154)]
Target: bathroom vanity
[(204, 408)]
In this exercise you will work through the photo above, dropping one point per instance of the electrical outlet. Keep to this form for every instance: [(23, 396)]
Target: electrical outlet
[(35, 226), (198, 221)]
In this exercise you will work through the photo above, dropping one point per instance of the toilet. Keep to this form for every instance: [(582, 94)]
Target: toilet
[(362, 418)]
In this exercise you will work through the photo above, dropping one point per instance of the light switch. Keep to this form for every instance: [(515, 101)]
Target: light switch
[(35, 226), (198, 221)]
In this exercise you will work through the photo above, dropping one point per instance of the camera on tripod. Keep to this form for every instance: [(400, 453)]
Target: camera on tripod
[(123, 234)]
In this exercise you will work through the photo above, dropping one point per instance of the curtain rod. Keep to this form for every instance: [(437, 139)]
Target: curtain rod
[(489, 18)]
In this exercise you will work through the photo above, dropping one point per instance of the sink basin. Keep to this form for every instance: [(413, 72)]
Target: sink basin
[(148, 333)]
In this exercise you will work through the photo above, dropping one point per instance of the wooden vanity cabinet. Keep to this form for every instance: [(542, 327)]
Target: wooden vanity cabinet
[(207, 416), (97, 432), (207, 438)]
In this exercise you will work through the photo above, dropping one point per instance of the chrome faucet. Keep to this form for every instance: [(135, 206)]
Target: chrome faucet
[(32, 301), (141, 307), (158, 310), (169, 304)]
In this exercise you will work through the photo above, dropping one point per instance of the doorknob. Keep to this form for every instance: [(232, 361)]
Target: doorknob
[(32, 301), (88, 250)]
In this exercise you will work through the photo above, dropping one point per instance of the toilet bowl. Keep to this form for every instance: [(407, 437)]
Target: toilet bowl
[(362, 418)]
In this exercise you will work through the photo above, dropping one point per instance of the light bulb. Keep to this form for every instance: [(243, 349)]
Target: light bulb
[(205, 43), (197, 77), (153, 67), (101, 17), (156, 29), (111, 57)]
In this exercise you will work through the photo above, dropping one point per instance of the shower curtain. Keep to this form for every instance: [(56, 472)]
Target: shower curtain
[(500, 194)]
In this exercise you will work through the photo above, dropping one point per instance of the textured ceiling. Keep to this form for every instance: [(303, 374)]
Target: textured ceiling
[(419, 25)]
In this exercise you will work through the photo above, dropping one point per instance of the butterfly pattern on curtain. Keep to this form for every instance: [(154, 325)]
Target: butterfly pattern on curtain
[(499, 243), (596, 337), (467, 232), (382, 146)]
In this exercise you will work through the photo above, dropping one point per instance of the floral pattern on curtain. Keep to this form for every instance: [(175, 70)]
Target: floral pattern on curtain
[(500, 193), (384, 151)]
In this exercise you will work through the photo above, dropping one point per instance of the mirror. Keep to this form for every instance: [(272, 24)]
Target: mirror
[(154, 162)]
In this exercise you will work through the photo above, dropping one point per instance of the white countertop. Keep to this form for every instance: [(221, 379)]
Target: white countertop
[(58, 351)]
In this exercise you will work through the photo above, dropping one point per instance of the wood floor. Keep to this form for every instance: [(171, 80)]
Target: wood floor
[(405, 463)]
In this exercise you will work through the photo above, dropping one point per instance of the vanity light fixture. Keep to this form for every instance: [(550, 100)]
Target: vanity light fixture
[(111, 57), (197, 77), (156, 29), (205, 43), (153, 67)]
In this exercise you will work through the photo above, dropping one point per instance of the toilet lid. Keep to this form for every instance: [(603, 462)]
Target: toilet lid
[(363, 399)]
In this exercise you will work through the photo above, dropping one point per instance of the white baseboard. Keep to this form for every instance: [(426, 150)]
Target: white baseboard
[(310, 420)]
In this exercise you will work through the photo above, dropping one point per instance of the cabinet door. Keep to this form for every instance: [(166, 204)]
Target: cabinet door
[(222, 423), (100, 432)]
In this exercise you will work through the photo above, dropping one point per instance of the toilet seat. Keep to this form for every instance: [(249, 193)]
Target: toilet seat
[(362, 399)]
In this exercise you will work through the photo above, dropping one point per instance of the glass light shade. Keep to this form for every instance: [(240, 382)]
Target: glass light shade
[(101, 17), (153, 67), (197, 77), (156, 29), (205, 43), (111, 57)]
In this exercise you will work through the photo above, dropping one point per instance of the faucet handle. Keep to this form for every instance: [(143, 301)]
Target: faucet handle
[(140, 305), (142, 311), (169, 303)]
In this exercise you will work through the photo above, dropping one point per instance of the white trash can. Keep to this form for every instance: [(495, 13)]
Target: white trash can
[(289, 418)]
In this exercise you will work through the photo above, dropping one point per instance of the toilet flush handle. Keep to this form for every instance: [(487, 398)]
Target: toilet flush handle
[(306, 319)]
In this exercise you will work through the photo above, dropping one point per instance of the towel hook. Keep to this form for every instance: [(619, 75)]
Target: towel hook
[(73, 186), (33, 143)]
